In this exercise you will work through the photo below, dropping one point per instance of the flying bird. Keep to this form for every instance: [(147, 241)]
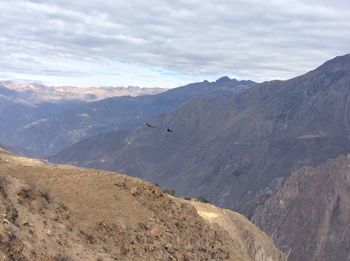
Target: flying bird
[(169, 130), (151, 126)]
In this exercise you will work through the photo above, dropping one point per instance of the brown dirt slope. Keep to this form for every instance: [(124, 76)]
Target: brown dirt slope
[(255, 243), (64, 213)]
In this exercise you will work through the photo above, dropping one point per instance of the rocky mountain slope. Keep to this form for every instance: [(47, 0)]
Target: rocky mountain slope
[(308, 218), (64, 213), (234, 149), (15, 116), (259, 248), (47, 128), (38, 93)]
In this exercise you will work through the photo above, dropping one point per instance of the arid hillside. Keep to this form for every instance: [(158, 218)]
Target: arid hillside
[(54, 212)]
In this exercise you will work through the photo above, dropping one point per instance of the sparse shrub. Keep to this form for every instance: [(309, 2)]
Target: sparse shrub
[(187, 198), (33, 252), (89, 238), (3, 185), (12, 246), (46, 196), (203, 199), (27, 193), (63, 257), (171, 192), (63, 206), (157, 185), (11, 213)]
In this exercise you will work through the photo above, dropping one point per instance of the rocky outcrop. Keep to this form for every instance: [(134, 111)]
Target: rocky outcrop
[(308, 218)]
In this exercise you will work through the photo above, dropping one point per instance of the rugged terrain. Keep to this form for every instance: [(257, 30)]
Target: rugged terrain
[(46, 128), (64, 213), (37, 93), (234, 149), (308, 218)]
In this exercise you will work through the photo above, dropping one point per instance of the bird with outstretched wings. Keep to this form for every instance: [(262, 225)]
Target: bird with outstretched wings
[(151, 126)]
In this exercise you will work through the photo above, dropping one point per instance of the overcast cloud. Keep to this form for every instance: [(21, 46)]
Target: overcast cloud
[(168, 43)]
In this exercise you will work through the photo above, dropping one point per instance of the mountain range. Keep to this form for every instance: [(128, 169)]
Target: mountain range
[(46, 128), (263, 152), (275, 151), (34, 93), (234, 149)]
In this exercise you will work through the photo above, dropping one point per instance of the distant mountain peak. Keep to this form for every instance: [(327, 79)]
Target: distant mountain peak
[(223, 79), (37, 93)]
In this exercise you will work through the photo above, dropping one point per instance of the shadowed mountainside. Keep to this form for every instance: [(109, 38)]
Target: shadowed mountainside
[(46, 128), (308, 218), (235, 150)]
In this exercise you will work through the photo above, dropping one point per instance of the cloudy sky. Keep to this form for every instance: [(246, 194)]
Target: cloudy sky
[(167, 42)]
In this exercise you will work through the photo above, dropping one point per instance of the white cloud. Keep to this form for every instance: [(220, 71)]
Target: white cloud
[(168, 43)]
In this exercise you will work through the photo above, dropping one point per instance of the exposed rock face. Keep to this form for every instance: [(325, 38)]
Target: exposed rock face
[(65, 213), (47, 128), (308, 218), (234, 149)]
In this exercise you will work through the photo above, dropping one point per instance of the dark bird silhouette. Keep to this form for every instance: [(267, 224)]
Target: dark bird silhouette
[(169, 130), (151, 126)]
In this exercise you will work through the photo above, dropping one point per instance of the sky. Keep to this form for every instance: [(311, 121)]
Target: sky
[(167, 43)]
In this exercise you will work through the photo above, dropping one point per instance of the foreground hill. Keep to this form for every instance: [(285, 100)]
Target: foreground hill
[(65, 213), (47, 128), (235, 150), (309, 216)]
